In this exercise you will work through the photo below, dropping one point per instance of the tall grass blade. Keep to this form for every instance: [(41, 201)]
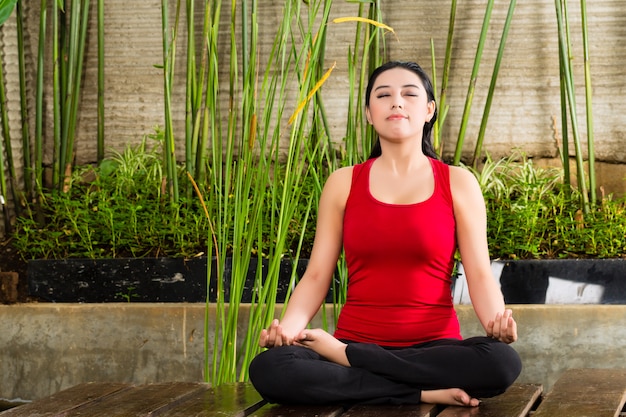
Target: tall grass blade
[(101, 119), (492, 85), (443, 106), (25, 119), (169, 63), (39, 89), (472, 83), (588, 106), (566, 58)]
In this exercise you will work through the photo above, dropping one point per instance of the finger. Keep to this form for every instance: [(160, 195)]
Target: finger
[(496, 326), (504, 323), (512, 330), (278, 336), (507, 323), (273, 334), (505, 314), (303, 339), (274, 324), (263, 338)]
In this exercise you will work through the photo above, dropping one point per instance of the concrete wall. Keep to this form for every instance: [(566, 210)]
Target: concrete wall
[(45, 348), (524, 112)]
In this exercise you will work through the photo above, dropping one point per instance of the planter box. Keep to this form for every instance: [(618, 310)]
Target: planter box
[(142, 280), (556, 281), (565, 281)]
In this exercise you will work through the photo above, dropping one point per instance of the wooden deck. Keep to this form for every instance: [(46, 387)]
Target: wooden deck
[(577, 393)]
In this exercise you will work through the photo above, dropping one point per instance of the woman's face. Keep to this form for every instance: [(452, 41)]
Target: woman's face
[(399, 106)]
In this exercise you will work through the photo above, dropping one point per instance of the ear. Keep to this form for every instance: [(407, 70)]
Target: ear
[(431, 111), (368, 116)]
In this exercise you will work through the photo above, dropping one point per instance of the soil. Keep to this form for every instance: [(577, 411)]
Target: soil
[(12, 262)]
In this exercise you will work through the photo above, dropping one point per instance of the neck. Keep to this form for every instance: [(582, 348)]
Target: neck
[(402, 161), (406, 148)]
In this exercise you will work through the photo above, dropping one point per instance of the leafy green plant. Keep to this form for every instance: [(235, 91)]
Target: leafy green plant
[(67, 24), (531, 214)]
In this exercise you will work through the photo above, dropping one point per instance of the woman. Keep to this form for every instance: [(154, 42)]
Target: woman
[(399, 217)]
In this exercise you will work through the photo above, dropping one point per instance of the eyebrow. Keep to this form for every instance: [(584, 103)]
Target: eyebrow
[(404, 86)]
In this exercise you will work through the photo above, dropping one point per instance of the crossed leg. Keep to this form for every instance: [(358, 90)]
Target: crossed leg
[(334, 350)]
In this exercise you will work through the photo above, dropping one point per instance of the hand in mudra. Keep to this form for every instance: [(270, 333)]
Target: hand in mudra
[(503, 327), (325, 344)]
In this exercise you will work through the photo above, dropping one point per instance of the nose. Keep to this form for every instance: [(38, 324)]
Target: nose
[(397, 102)]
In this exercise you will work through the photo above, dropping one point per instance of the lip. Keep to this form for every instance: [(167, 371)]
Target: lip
[(396, 116)]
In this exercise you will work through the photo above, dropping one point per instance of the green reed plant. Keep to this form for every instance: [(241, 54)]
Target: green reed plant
[(169, 63), (70, 31), (251, 188), (492, 86), (472, 83), (438, 136), (67, 23), (6, 9), (100, 107), (303, 66), (587, 193), (27, 172), (261, 194), (367, 52)]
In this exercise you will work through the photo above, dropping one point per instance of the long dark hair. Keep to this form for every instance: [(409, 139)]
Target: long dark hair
[(427, 144)]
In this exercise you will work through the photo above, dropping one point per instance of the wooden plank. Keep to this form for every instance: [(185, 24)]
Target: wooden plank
[(143, 400), (419, 410), (65, 401), (228, 400), (281, 410), (517, 401), (586, 393), (276, 410)]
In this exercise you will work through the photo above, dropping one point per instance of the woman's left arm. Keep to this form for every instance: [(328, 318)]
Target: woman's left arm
[(471, 228)]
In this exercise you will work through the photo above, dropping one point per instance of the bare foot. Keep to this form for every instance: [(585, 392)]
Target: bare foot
[(325, 344), (450, 396)]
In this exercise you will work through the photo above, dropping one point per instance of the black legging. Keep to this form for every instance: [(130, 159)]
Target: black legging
[(481, 366)]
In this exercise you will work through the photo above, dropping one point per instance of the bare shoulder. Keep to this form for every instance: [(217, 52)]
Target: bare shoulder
[(462, 180), (460, 176), (340, 179), (464, 187), (338, 185), (342, 174)]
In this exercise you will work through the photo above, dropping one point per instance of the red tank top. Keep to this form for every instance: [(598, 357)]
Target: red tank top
[(400, 260)]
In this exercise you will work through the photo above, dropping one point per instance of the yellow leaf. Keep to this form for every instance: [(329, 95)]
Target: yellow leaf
[(317, 86), (365, 20)]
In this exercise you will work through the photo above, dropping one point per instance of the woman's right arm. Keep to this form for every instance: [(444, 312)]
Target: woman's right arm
[(308, 295)]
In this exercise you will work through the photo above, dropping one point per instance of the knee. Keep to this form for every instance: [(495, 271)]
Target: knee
[(262, 374), (269, 372), (507, 366)]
